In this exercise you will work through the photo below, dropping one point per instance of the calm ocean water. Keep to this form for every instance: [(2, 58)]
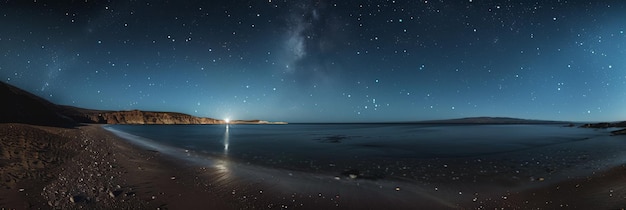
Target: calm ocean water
[(414, 152)]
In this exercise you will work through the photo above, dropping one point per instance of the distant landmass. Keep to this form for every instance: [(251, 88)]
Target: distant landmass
[(23, 107), (491, 120), (508, 120)]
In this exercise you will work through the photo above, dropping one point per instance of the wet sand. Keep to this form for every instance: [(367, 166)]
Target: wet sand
[(89, 167)]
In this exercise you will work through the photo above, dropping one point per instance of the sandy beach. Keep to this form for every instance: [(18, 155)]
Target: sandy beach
[(89, 167)]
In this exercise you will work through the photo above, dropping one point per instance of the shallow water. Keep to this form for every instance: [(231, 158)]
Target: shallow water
[(315, 147), (421, 157)]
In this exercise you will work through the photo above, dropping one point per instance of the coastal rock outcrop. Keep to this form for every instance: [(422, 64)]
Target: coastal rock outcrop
[(605, 125), (609, 125), (619, 132), (597, 125)]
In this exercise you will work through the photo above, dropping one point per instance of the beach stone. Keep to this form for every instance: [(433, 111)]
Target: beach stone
[(75, 199), (115, 193), (352, 173)]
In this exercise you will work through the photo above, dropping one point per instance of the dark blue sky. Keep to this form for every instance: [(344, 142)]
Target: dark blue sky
[(323, 61)]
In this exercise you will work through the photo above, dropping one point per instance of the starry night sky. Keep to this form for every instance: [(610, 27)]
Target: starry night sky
[(323, 61)]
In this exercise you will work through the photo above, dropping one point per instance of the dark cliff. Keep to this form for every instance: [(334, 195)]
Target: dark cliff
[(19, 106)]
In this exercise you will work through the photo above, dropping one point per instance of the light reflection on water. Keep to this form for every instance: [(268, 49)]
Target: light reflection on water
[(226, 139), (223, 164)]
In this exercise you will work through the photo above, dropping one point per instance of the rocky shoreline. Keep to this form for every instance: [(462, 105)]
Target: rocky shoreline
[(90, 168), (609, 125)]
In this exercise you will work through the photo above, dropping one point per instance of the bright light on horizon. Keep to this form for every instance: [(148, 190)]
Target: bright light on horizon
[(227, 120)]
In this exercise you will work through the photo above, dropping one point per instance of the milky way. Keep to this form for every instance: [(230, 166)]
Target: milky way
[(323, 61)]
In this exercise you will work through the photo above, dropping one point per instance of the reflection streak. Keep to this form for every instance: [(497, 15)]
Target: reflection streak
[(226, 140)]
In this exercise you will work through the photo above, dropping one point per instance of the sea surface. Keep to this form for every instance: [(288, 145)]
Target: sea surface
[(449, 157), (385, 150)]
